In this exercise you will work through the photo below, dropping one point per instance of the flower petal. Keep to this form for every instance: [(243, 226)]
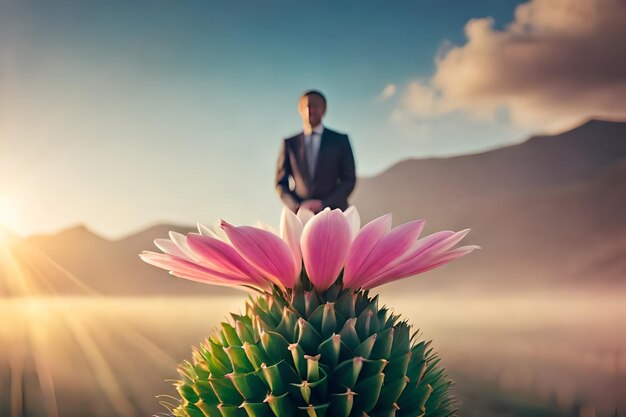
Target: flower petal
[(219, 231), (419, 258), (268, 253), (180, 241), (169, 247), (451, 255), (305, 215), (291, 232), (190, 270), (214, 253), (432, 263), (362, 246), (448, 243), (325, 243), (391, 247), (201, 278), (207, 231), (425, 245), (411, 260), (354, 220)]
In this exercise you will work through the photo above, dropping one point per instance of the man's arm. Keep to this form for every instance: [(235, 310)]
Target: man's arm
[(283, 172), (347, 178)]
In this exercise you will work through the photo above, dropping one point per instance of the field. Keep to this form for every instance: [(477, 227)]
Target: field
[(518, 355)]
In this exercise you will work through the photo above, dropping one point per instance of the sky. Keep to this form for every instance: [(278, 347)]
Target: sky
[(119, 115)]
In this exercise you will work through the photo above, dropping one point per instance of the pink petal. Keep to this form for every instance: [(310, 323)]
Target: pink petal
[(424, 249), (363, 245), (354, 220), (251, 288), (447, 243), (425, 245), (180, 241), (169, 247), (418, 258), (221, 256), (189, 270), (449, 256), (413, 258), (391, 247), (217, 229), (205, 231), (268, 253), (325, 243), (432, 263), (305, 215), (291, 232)]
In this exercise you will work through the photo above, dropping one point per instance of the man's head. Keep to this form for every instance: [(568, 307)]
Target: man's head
[(312, 107)]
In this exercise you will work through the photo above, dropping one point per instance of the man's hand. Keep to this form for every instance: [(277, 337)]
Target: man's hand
[(314, 205)]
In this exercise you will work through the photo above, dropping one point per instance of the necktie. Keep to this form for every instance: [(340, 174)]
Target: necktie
[(310, 154)]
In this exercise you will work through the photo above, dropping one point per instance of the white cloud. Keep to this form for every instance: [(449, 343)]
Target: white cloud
[(558, 62)]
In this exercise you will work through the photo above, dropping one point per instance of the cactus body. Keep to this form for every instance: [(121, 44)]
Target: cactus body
[(314, 354)]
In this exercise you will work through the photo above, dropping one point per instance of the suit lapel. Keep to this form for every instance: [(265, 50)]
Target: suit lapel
[(303, 161)]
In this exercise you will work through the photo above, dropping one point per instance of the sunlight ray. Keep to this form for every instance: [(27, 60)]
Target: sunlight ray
[(38, 316), (129, 332), (16, 368), (39, 262), (15, 279), (13, 344), (101, 369), (147, 346)]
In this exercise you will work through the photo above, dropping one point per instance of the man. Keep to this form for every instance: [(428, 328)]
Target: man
[(318, 162)]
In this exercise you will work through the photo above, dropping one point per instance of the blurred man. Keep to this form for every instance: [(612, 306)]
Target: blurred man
[(315, 167)]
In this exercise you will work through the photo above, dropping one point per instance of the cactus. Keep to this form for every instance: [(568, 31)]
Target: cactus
[(314, 344)]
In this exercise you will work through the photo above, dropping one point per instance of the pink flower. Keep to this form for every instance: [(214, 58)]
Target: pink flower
[(242, 256), (326, 243)]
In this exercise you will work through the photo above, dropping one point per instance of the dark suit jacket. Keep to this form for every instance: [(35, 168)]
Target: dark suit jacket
[(335, 175)]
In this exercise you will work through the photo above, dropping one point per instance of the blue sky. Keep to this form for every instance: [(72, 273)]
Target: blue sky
[(121, 114)]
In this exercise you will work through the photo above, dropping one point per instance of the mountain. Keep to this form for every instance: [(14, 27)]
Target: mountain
[(77, 261), (549, 213), (540, 163)]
